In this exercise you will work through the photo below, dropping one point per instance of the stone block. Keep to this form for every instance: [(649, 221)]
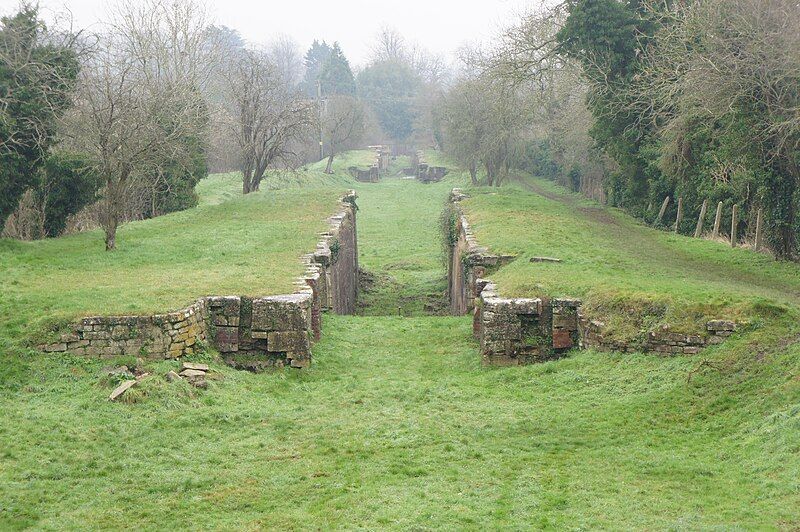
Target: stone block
[(288, 341), (721, 325), (227, 339), (282, 313), (228, 306), (562, 339), (55, 348), (565, 321)]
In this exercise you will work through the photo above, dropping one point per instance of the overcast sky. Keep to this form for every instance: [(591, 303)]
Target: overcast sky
[(439, 25)]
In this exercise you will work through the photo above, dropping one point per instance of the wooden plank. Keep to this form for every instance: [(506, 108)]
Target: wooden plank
[(734, 219), (698, 230), (717, 221), (759, 223)]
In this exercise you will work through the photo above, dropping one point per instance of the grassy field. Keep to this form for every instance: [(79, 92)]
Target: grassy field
[(230, 244), (397, 426)]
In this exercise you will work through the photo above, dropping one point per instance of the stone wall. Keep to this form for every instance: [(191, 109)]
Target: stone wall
[(516, 331), (370, 175), (251, 333), (662, 340), (426, 173)]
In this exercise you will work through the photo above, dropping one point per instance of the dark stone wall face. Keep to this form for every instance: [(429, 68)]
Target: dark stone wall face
[(344, 267)]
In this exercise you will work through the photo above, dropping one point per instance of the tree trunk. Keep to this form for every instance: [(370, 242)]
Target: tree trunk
[(111, 209), (111, 233), (329, 166), (473, 173), (246, 181)]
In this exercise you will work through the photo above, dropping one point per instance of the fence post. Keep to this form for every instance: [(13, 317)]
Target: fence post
[(759, 222), (699, 227), (717, 220), (662, 211), (679, 216), (734, 216)]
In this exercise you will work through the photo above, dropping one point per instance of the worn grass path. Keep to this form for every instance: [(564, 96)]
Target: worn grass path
[(397, 426)]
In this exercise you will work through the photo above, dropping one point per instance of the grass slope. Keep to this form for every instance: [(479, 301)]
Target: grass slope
[(621, 267), (229, 244), (396, 425)]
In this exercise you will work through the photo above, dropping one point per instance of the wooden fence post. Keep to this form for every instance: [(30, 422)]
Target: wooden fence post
[(734, 215), (759, 222), (662, 211), (679, 216), (699, 227), (717, 220)]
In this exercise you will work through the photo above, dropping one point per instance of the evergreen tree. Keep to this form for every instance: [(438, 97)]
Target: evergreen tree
[(336, 76), (390, 87), (316, 57), (37, 75), (607, 37)]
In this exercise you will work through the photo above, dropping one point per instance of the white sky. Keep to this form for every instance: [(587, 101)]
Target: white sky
[(441, 26)]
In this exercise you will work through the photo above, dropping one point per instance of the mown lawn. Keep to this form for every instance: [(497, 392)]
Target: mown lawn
[(397, 425), (229, 244)]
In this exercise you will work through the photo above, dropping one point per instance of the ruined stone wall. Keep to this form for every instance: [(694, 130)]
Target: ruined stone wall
[(426, 173), (516, 331), (251, 333), (166, 335)]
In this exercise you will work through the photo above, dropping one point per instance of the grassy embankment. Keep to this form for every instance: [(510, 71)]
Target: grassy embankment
[(397, 425), (229, 244), (631, 276)]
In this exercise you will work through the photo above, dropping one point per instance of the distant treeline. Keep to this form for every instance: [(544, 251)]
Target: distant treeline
[(632, 101)]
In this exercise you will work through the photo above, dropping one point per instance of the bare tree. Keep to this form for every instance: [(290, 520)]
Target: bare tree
[(389, 46), (287, 58), (342, 125), (267, 116), (139, 100)]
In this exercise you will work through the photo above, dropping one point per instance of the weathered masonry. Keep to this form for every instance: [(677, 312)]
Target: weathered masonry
[(516, 331), (249, 332), (379, 166), (426, 173)]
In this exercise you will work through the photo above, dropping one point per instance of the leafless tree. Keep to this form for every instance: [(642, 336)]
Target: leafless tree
[(287, 58), (266, 115), (389, 46), (343, 123), (485, 121), (139, 100)]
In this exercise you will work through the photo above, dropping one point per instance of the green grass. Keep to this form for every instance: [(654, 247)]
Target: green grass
[(229, 244), (397, 425), (620, 266), (398, 218)]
